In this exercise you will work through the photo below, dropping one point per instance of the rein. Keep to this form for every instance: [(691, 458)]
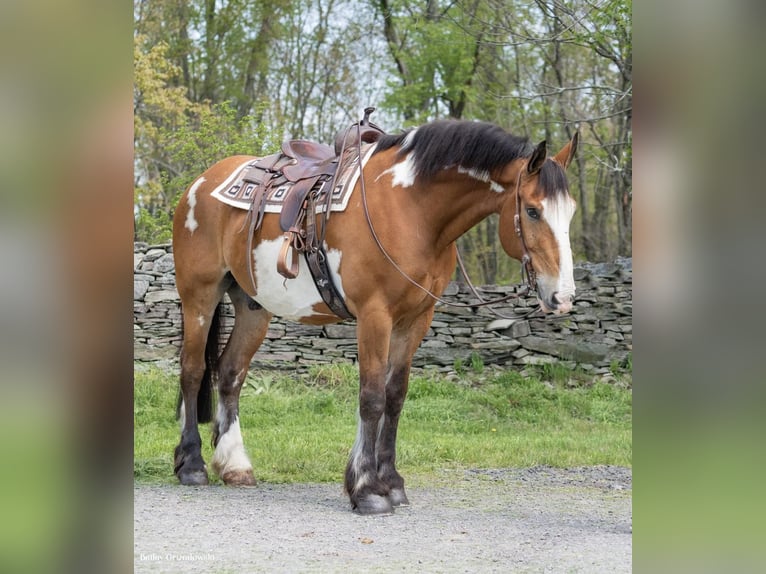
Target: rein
[(527, 269)]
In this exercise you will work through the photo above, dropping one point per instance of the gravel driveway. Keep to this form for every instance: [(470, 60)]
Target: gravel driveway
[(520, 520)]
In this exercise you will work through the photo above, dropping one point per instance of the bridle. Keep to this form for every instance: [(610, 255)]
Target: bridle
[(527, 269), (526, 259)]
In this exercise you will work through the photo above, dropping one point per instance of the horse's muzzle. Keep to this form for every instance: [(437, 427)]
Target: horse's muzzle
[(558, 304)]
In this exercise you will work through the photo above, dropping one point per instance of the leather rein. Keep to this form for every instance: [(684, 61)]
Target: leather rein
[(527, 271)]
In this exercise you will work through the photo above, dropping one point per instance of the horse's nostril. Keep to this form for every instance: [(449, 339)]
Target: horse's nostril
[(557, 298), (562, 304)]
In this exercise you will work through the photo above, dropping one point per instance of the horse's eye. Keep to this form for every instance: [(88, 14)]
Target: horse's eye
[(533, 213)]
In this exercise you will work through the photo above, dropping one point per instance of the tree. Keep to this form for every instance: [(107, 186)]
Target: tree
[(437, 48), (175, 138), (215, 78), (587, 80)]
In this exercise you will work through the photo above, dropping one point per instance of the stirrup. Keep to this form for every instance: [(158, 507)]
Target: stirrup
[(292, 239)]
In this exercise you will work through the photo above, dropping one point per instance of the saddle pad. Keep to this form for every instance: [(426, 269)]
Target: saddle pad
[(236, 192)]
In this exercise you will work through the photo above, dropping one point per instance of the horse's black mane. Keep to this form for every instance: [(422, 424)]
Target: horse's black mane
[(480, 146)]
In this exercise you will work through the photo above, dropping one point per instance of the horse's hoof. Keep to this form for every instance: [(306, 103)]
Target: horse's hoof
[(193, 477), (373, 504), (239, 478), (398, 497)]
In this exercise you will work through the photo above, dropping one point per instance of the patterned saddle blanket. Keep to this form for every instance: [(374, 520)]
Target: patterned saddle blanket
[(238, 188)]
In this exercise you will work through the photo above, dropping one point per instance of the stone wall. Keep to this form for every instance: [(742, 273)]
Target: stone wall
[(596, 335)]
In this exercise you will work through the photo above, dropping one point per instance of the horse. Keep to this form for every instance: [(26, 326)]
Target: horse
[(391, 253)]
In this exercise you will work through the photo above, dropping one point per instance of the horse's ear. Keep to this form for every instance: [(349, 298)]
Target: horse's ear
[(537, 159), (567, 153)]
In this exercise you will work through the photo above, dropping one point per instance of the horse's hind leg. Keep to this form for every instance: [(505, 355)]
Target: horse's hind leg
[(230, 461), (198, 357)]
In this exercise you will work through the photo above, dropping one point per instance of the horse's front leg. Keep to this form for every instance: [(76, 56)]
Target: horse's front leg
[(404, 343), (396, 390), (367, 492)]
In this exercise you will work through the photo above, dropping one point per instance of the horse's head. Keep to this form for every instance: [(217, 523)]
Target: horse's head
[(540, 234)]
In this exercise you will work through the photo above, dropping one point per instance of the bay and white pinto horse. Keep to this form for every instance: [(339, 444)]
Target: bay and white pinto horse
[(422, 190)]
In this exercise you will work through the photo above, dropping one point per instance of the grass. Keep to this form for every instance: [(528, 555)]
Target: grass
[(300, 428)]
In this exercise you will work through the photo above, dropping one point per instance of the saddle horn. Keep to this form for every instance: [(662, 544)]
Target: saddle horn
[(366, 119), (368, 132)]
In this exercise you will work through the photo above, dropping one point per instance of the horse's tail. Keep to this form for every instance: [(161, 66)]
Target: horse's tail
[(210, 377)]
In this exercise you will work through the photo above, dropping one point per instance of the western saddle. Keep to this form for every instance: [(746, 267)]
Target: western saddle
[(301, 173)]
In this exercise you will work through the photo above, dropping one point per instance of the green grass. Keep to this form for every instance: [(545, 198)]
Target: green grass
[(300, 428)]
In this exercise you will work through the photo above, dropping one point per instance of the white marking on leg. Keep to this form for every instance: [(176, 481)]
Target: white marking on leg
[(292, 299), (381, 422), (357, 455), (230, 452), (403, 173), (558, 214), (358, 460), (191, 223), (182, 415), (201, 320)]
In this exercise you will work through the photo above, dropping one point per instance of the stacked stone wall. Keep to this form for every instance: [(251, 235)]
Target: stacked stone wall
[(597, 335)]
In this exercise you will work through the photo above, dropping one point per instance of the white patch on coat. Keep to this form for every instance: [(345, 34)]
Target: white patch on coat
[(230, 452), (191, 223), (403, 173), (292, 299), (481, 176), (201, 320), (558, 214)]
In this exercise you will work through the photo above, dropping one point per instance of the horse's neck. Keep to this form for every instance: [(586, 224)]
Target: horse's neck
[(460, 203)]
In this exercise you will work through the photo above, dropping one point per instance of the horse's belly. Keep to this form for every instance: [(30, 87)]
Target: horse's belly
[(294, 299)]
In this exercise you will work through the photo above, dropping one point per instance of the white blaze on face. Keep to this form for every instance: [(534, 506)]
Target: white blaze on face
[(558, 213), (292, 299), (191, 223)]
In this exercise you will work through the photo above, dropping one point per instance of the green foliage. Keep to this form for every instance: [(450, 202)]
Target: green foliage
[(477, 363), (555, 372), (220, 78), (153, 229), (177, 139), (300, 428), (213, 133), (438, 58)]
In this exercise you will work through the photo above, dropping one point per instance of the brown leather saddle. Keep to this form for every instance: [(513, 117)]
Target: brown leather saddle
[(302, 172), (296, 170)]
